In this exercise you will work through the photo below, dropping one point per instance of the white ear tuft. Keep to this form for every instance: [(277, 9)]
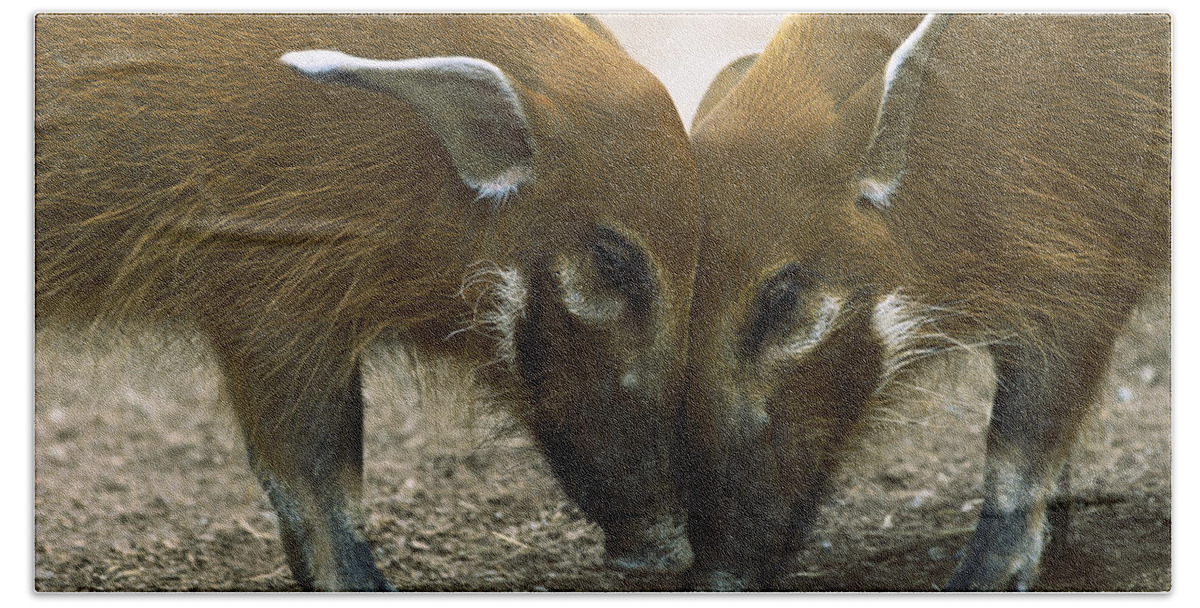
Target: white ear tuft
[(469, 103), (500, 188), (316, 64), (876, 193)]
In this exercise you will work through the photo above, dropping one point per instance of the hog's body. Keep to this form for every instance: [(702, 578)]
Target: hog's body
[(524, 197), (881, 187)]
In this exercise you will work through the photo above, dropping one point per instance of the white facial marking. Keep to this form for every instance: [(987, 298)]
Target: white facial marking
[(897, 322), (809, 337), (592, 308), (907, 332), (804, 341)]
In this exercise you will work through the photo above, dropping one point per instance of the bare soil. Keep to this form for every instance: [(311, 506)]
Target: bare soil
[(141, 482)]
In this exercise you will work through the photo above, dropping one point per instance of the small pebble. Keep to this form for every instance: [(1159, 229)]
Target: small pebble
[(920, 498), (1124, 394), (1149, 374), (937, 554)]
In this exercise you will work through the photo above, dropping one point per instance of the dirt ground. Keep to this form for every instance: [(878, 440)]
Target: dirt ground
[(141, 483)]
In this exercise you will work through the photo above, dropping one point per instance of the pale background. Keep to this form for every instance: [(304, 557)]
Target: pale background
[(707, 41)]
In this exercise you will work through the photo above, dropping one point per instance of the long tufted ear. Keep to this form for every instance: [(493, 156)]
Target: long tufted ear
[(885, 159), (469, 103)]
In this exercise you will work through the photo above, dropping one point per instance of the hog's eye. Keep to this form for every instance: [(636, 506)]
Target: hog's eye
[(777, 303), (775, 306), (612, 261), (623, 267)]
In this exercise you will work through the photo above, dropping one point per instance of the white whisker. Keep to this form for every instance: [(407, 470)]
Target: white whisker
[(909, 332), (500, 303)]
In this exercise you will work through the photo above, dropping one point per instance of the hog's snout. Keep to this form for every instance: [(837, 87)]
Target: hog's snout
[(660, 547)]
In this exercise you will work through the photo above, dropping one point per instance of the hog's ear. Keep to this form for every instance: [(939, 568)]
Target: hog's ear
[(721, 85), (598, 28), (469, 103), (885, 159)]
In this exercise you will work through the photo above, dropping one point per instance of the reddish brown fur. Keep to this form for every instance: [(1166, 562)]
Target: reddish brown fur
[(1032, 213), (184, 173)]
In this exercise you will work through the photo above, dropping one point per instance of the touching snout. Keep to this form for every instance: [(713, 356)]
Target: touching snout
[(661, 546)]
